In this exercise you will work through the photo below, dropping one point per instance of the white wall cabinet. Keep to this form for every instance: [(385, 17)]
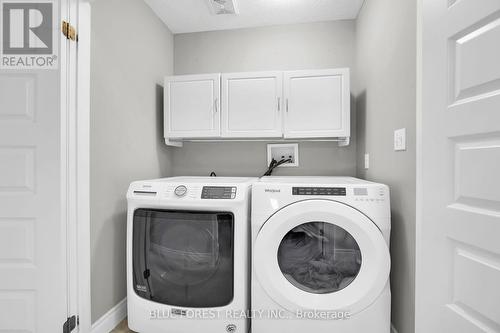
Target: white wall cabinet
[(309, 104), (252, 105), (317, 104), (192, 105)]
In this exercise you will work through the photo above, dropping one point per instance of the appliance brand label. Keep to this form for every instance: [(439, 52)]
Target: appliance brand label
[(141, 288), (178, 312), (272, 190), (231, 328)]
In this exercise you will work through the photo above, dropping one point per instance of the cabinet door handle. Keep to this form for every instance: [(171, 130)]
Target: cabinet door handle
[(287, 105), (215, 105), (279, 104)]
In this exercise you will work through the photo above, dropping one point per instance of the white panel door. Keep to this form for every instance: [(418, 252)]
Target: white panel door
[(32, 232), (458, 244), (251, 104), (317, 103), (192, 106)]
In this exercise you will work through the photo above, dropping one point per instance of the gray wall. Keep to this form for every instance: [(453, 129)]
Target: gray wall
[(291, 47), (386, 100), (131, 52)]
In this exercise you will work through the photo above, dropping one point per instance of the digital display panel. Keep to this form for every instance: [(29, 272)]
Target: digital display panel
[(332, 191), (218, 192)]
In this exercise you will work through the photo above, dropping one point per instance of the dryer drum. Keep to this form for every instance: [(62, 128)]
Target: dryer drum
[(319, 257), (188, 257)]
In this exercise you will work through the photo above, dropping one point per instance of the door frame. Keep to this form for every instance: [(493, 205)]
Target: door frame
[(83, 166), (76, 162)]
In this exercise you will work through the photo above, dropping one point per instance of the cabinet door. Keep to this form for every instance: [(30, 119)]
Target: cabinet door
[(251, 104), (317, 103), (192, 106)]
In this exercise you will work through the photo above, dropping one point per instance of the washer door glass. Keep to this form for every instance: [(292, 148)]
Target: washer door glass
[(319, 257), (183, 258)]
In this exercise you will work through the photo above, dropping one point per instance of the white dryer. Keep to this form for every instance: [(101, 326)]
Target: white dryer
[(320, 260), (187, 254)]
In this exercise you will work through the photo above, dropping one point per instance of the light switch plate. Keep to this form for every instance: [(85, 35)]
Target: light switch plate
[(367, 161), (400, 139)]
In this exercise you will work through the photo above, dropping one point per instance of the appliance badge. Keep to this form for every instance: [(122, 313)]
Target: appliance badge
[(178, 312), (231, 328), (141, 288), (272, 190)]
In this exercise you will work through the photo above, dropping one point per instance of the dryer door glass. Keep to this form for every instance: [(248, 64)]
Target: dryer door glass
[(183, 258), (319, 257)]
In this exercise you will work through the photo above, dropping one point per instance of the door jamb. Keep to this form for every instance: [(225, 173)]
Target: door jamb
[(81, 154)]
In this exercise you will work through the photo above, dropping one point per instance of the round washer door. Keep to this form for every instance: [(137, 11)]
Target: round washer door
[(321, 255)]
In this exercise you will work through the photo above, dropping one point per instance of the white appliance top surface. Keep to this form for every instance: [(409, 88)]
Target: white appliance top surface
[(316, 180), (203, 180)]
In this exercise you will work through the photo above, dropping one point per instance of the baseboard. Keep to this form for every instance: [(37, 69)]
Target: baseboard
[(111, 319), (393, 329)]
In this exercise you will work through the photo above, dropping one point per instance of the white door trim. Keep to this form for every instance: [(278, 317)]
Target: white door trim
[(73, 167), (82, 148), (75, 132)]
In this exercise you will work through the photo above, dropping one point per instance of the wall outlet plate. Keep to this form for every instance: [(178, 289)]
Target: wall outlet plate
[(367, 161), (283, 151), (400, 139)]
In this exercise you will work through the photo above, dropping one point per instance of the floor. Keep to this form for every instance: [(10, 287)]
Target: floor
[(122, 328)]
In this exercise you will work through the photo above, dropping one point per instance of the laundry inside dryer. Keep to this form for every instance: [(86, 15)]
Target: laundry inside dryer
[(183, 258), (319, 257)]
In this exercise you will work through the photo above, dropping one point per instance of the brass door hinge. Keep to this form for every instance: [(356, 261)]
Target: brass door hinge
[(69, 31)]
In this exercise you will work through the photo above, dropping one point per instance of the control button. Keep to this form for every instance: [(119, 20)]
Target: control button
[(180, 191)]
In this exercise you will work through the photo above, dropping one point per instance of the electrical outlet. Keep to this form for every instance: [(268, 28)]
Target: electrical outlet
[(400, 139), (284, 151), (367, 161)]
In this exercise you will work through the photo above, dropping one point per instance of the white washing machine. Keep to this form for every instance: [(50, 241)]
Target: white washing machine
[(187, 254), (320, 260)]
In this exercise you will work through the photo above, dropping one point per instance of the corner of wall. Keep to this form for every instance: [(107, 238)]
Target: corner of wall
[(126, 131), (386, 101)]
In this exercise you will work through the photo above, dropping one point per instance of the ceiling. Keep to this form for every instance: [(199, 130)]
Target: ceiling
[(183, 16)]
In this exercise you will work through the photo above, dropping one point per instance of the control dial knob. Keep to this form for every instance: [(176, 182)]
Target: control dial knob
[(180, 191)]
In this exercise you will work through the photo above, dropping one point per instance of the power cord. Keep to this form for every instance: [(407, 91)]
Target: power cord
[(274, 164)]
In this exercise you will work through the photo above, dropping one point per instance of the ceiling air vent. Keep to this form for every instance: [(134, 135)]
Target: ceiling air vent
[(223, 7)]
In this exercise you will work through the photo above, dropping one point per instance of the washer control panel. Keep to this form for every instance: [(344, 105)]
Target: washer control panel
[(332, 191), (218, 192)]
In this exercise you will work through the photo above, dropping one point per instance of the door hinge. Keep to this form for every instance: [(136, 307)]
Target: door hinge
[(69, 31), (71, 324)]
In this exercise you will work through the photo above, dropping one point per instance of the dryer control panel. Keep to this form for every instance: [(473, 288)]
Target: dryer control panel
[(331, 191)]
